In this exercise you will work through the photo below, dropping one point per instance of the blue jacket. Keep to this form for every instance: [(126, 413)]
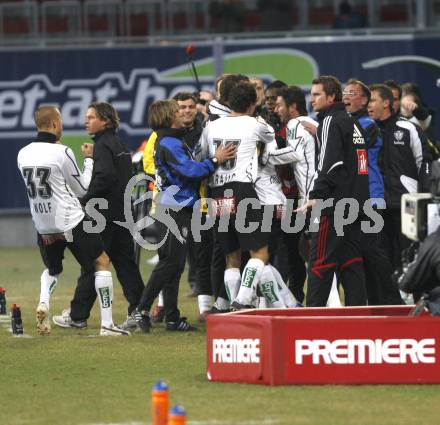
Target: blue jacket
[(175, 166), (374, 144)]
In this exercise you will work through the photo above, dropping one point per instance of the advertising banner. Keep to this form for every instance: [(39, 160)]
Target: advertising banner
[(133, 77), (351, 345)]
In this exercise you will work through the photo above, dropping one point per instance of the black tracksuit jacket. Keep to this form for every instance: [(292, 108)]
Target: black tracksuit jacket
[(403, 153), (343, 161), (112, 169)]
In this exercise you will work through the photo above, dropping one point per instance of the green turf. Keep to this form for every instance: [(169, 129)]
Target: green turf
[(72, 378), (75, 142)]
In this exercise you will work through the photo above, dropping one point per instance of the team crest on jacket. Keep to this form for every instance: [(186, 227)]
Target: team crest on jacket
[(358, 139), (398, 136)]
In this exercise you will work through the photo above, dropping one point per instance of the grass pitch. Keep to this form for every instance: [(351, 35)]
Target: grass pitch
[(75, 378)]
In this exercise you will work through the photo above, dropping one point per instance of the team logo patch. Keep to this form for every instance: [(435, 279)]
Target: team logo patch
[(358, 139), (104, 293), (224, 206), (249, 277), (362, 161), (268, 292), (398, 137)]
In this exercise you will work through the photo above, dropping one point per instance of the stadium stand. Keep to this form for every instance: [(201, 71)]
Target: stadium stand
[(44, 20)]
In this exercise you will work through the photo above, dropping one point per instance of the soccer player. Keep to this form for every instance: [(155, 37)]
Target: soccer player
[(54, 184), (291, 109), (234, 182)]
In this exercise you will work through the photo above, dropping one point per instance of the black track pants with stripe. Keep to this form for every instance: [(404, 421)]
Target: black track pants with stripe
[(330, 253)]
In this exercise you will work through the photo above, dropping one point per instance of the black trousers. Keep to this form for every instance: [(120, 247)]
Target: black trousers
[(295, 271), (191, 257), (328, 252), (378, 270), (118, 244), (210, 263), (168, 271), (395, 241)]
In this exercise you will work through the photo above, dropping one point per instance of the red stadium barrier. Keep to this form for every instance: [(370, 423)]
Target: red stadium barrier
[(351, 345)]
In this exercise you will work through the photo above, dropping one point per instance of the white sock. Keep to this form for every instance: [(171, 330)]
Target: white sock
[(104, 289), (160, 299), (333, 298), (222, 304), (204, 303), (232, 282), (249, 280), (262, 302), (286, 294), (48, 285), (269, 288)]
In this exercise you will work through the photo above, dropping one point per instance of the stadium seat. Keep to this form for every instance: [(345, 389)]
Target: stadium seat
[(103, 17), (394, 14), (321, 16), (62, 18), (19, 20), (144, 18)]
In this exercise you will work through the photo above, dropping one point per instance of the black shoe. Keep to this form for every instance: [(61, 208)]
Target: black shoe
[(236, 306), (142, 320), (215, 310), (180, 325), (419, 308)]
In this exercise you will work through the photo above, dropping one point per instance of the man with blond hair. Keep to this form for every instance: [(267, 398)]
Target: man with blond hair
[(54, 184)]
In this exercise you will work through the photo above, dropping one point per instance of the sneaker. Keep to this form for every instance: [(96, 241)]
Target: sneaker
[(158, 314), (180, 325), (216, 310), (113, 330), (43, 323), (203, 316), (236, 306), (65, 321), (129, 324), (419, 308), (142, 320)]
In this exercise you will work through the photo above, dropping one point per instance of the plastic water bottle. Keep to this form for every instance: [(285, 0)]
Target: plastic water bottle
[(177, 416), (159, 404), (16, 322), (3, 301)]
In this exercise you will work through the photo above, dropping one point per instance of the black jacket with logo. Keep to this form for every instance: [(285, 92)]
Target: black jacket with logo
[(404, 150), (112, 169), (342, 170)]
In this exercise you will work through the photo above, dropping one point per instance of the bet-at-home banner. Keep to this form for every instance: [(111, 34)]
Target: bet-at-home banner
[(132, 78)]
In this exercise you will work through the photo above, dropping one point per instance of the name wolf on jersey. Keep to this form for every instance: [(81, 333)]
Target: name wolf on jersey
[(130, 96), (42, 207)]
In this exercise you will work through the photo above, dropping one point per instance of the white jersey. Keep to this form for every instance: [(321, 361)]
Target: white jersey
[(243, 131), (54, 184), (268, 183), (300, 151)]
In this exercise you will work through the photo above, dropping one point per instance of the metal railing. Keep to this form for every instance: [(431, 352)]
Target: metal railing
[(120, 21)]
